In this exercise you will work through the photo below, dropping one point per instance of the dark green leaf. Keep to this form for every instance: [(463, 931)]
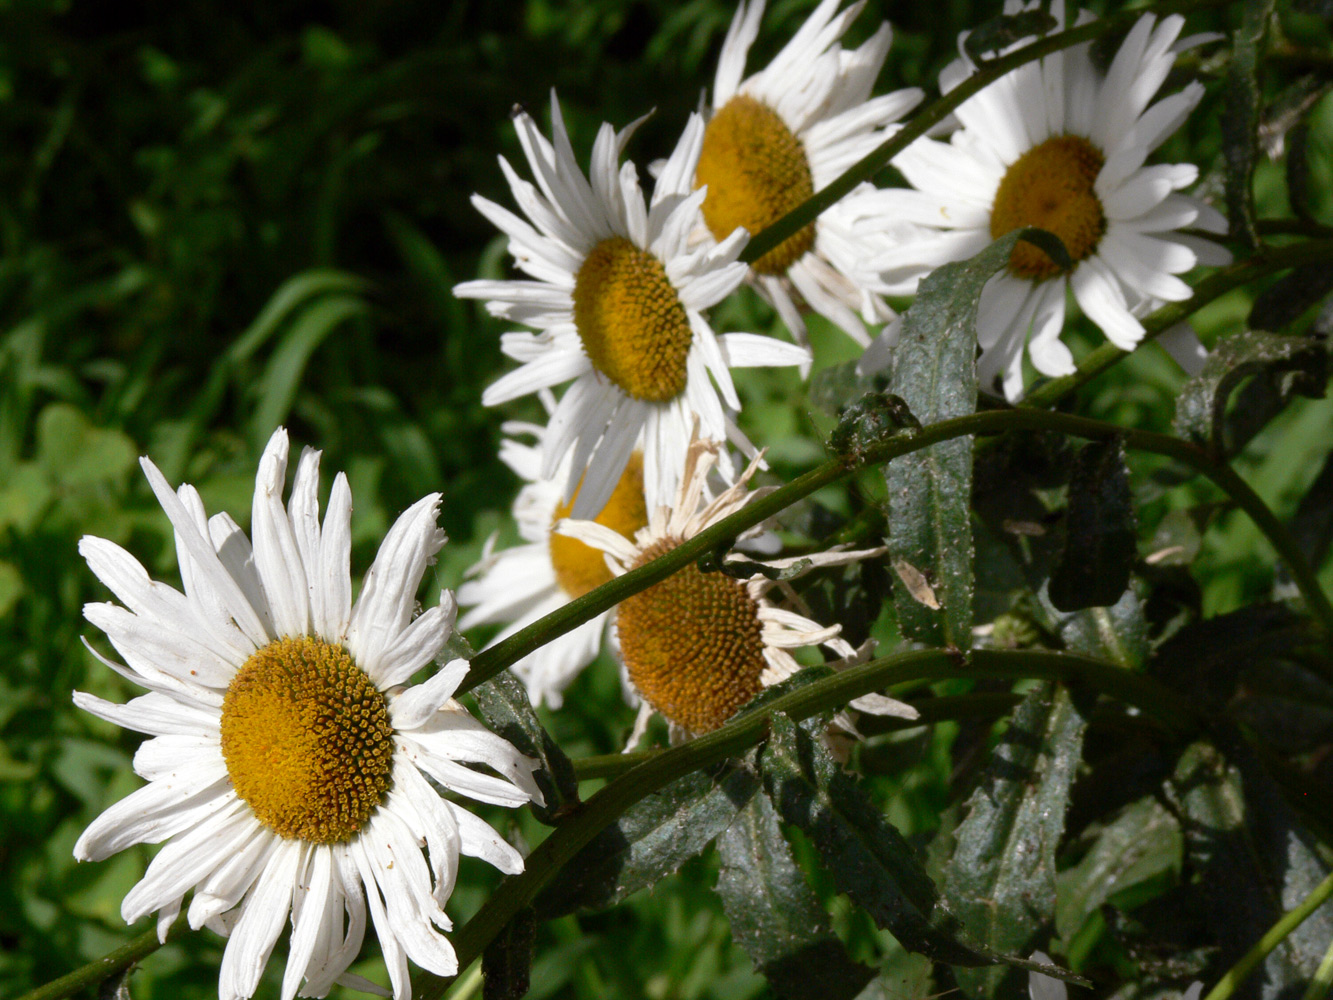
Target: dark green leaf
[(1293, 365), (504, 705), (776, 917), (1100, 541), (1143, 842), (1001, 878), (1254, 862), (1285, 127), (1001, 32), (1284, 301), (1312, 524), (652, 839), (1240, 118), (869, 859), (930, 491), (836, 387), (506, 964), (874, 417)]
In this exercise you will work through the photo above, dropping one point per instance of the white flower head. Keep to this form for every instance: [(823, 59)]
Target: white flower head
[(617, 298), (288, 767), (1059, 145), (518, 585), (697, 646), (784, 133)]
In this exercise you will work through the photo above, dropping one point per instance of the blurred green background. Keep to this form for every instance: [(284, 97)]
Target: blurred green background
[(216, 218)]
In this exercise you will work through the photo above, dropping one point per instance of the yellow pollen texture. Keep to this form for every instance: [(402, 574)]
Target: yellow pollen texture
[(692, 644), (756, 171), (307, 740), (1051, 187), (630, 319), (580, 568)]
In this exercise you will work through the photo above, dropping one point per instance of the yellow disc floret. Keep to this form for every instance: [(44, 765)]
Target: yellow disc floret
[(580, 568), (631, 321), (756, 171), (692, 644), (307, 740), (1051, 186)]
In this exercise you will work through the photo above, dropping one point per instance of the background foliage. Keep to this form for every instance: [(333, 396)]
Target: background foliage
[(215, 219)]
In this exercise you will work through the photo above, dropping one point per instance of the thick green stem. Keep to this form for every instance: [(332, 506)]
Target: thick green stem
[(101, 969), (657, 770), (939, 109), (491, 661), (1250, 961)]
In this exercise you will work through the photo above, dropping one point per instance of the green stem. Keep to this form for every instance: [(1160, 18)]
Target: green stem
[(1266, 261), (656, 770), (111, 964), (938, 110), (491, 661), (1276, 934)]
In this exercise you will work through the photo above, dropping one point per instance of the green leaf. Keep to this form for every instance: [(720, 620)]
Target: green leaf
[(1286, 366), (1118, 633), (834, 388), (1240, 117), (935, 375), (1140, 844), (652, 839), (75, 453), (1001, 879), (1254, 862), (1100, 540), (776, 917), (506, 963), (1001, 32), (1312, 524), (1283, 302), (503, 703)]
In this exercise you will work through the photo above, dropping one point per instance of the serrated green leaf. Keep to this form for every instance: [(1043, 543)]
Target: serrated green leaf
[(776, 917), (1001, 880), (652, 839), (1100, 541), (506, 963), (503, 703), (1141, 843), (1118, 633), (1240, 117), (930, 491), (1299, 364)]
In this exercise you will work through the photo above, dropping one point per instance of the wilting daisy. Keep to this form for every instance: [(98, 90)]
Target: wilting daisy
[(618, 298), (516, 586), (786, 132), (1056, 144), (698, 646), (289, 763)]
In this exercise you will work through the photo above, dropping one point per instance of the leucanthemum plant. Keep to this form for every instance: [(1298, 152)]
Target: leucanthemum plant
[(1058, 145), (617, 298), (780, 135), (698, 646), (518, 585), (291, 759)]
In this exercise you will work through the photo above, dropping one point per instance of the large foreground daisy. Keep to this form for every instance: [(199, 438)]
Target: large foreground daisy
[(518, 585), (1056, 144), (618, 298), (289, 762), (698, 646), (783, 134)]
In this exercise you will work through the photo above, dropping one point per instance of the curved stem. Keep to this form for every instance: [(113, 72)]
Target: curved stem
[(1288, 923), (659, 769), (491, 661), (938, 110), (100, 969)]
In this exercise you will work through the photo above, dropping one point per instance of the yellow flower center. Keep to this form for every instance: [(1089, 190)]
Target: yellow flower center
[(630, 319), (756, 171), (307, 740), (1051, 187), (692, 644), (580, 568)]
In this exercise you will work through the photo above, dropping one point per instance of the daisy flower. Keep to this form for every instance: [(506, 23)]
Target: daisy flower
[(784, 133), (289, 762), (698, 646), (617, 297), (1059, 145), (521, 584)]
